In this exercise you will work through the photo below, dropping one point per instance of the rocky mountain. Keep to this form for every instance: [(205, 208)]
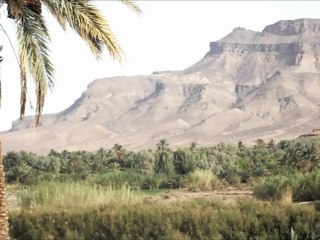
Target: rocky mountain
[(249, 85)]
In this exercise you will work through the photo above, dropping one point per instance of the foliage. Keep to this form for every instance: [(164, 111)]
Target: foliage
[(184, 161), (67, 196), (95, 195), (148, 169), (184, 220), (33, 39), (200, 180), (275, 188), (308, 188), (296, 187)]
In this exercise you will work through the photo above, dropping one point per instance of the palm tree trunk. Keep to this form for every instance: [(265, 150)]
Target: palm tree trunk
[(4, 224)]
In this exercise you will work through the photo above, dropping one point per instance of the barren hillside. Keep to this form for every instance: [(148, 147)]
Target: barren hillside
[(249, 85)]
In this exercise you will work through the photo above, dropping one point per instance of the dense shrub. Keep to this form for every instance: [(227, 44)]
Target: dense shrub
[(155, 181), (164, 162), (184, 161), (296, 187), (200, 180), (183, 220), (274, 188), (308, 188)]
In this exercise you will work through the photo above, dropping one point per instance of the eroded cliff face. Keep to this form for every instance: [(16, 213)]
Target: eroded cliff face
[(293, 27), (249, 85)]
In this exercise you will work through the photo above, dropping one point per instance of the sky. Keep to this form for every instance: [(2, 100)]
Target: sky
[(169, 35)]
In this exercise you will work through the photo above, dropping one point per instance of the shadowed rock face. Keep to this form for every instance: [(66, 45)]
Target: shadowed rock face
[(249, 85)]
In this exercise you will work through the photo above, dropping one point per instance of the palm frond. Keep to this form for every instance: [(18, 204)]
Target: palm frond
[(88, 22), (33, 40), (52, 6), (132, 5), (14, 7)]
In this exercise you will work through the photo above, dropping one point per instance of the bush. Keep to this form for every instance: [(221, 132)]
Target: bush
[(308, 188), (155, 181), (296, 187), (274, 188), (184, 161), (164, 162), (143, 161), (184, 220), (200, 180)]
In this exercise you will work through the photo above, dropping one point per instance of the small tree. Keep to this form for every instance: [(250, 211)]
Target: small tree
[(184, 161), (164, 158)]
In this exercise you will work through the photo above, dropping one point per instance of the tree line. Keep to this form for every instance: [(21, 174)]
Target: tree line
[(232, 163)]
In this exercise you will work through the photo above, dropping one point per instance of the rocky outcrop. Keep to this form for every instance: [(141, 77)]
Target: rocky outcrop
[(293, 27), (221, 47)]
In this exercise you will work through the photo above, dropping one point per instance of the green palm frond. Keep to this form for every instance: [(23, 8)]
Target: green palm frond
[(132, 5), (88, 22), (33, 40)]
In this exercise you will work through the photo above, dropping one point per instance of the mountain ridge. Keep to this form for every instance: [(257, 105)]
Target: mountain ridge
[(248, 85)]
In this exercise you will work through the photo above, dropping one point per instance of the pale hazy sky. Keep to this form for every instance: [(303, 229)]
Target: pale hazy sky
[(170, 35)]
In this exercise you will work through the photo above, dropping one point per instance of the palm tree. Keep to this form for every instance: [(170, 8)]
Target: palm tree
[(162, 145), (164, 158), (193, 147), (119, 152), (34, 60)]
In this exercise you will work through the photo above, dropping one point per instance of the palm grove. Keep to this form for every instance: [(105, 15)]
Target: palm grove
[(124, 185), (34, 60)]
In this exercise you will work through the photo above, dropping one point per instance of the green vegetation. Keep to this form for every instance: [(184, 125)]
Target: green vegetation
[(106, 194), (276, 188), (294, 187), (200, 180), (164, 167), (184, 220), (49, 196)]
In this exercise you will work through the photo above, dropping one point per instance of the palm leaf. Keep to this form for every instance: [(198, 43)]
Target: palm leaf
[(33, 40), (88, 22), (132, 5)]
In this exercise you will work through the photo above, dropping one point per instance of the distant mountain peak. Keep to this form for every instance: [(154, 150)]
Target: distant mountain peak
[(293, 27), (297, 36)]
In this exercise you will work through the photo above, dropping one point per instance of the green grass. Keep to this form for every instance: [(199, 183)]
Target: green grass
[(276, 188), (13, 187), (308, 188), (294, 187), (75, 196), (200, 180)]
